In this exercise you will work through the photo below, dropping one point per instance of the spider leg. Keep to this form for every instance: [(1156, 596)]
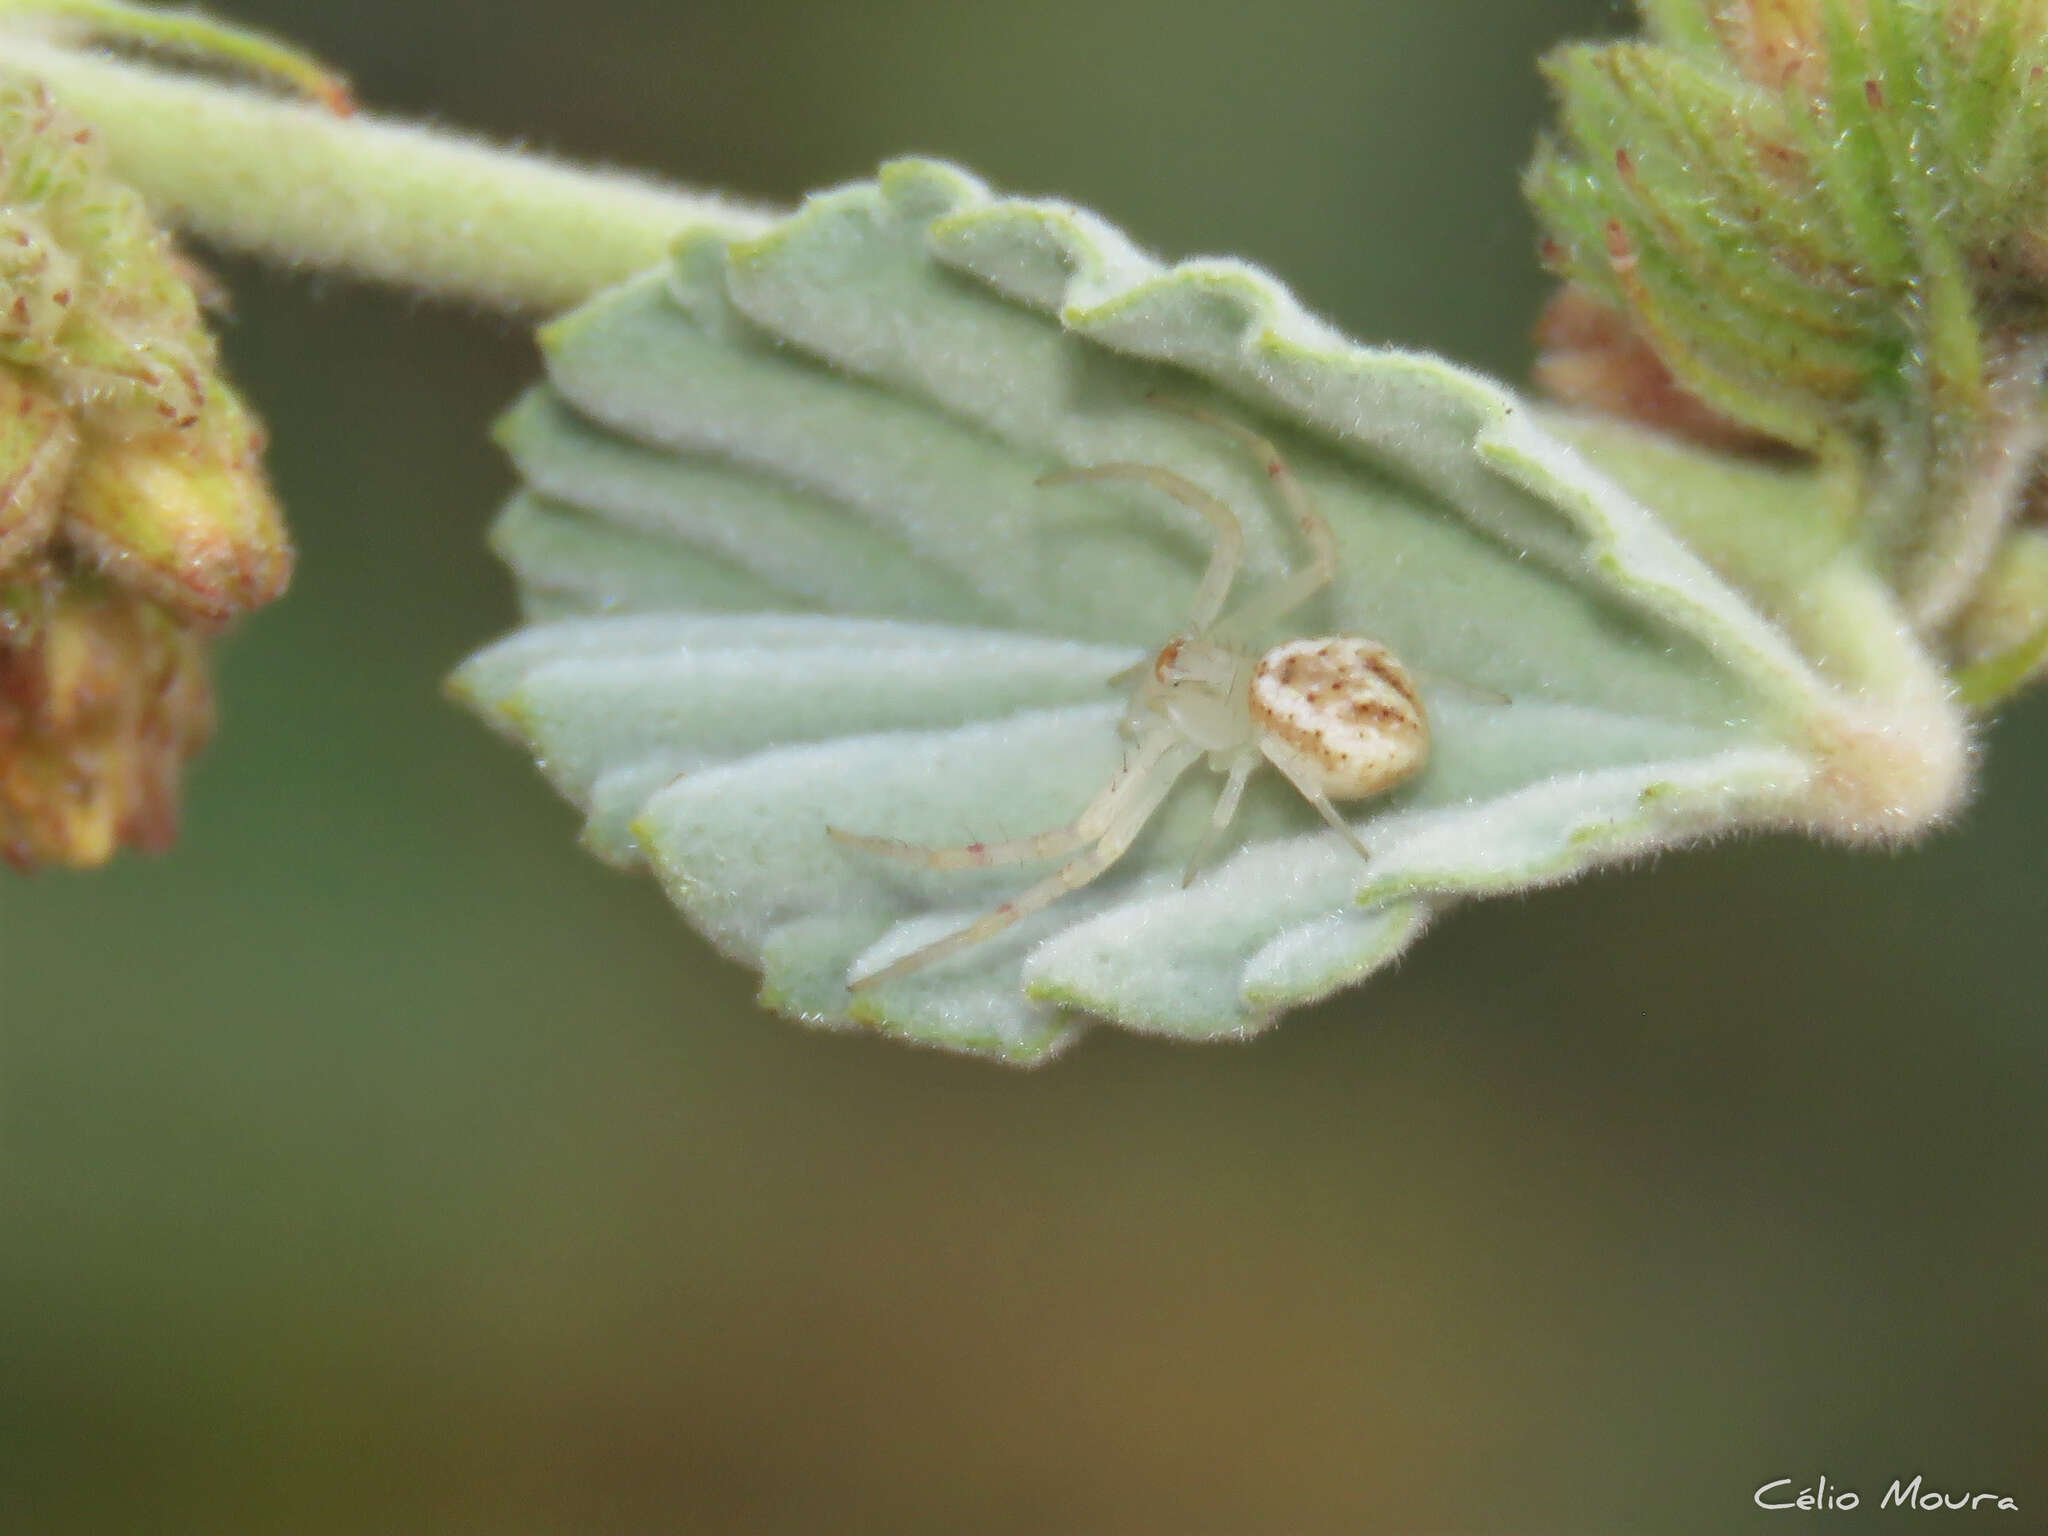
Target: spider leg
[(1132, 675), (1225, 813), (1019, 850), (1321, 570), (1149, 786), (1135, 682), (1093, 821), (1303, 777), (1224, 559)]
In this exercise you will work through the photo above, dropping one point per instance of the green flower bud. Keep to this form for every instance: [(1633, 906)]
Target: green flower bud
[(184, 515), (1827, 221), (121, 446), (135, 519)]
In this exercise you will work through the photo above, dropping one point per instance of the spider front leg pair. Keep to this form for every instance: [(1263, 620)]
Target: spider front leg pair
[(1339, 717)]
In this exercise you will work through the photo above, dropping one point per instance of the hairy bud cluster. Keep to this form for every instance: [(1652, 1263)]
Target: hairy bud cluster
[(135, 519), (1823, 225)]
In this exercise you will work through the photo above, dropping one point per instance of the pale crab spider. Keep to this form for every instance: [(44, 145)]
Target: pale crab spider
[(1339, 717)]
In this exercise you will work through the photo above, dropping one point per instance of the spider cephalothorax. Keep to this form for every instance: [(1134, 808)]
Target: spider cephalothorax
[(1340, 717)]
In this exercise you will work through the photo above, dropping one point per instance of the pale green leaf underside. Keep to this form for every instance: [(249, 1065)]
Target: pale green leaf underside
[(789, 568)]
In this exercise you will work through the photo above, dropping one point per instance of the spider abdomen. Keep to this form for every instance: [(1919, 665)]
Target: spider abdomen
[(1345, 706)]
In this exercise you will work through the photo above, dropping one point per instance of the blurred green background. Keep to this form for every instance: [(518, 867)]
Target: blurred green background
[(379, 1162)]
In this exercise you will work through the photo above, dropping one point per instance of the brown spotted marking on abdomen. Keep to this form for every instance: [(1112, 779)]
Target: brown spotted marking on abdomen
[(1349, 707)]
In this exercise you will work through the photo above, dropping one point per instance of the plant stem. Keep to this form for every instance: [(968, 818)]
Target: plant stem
[(388, 201)]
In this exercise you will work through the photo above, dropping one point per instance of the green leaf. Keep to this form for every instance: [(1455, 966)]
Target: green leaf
[(784, 526)]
